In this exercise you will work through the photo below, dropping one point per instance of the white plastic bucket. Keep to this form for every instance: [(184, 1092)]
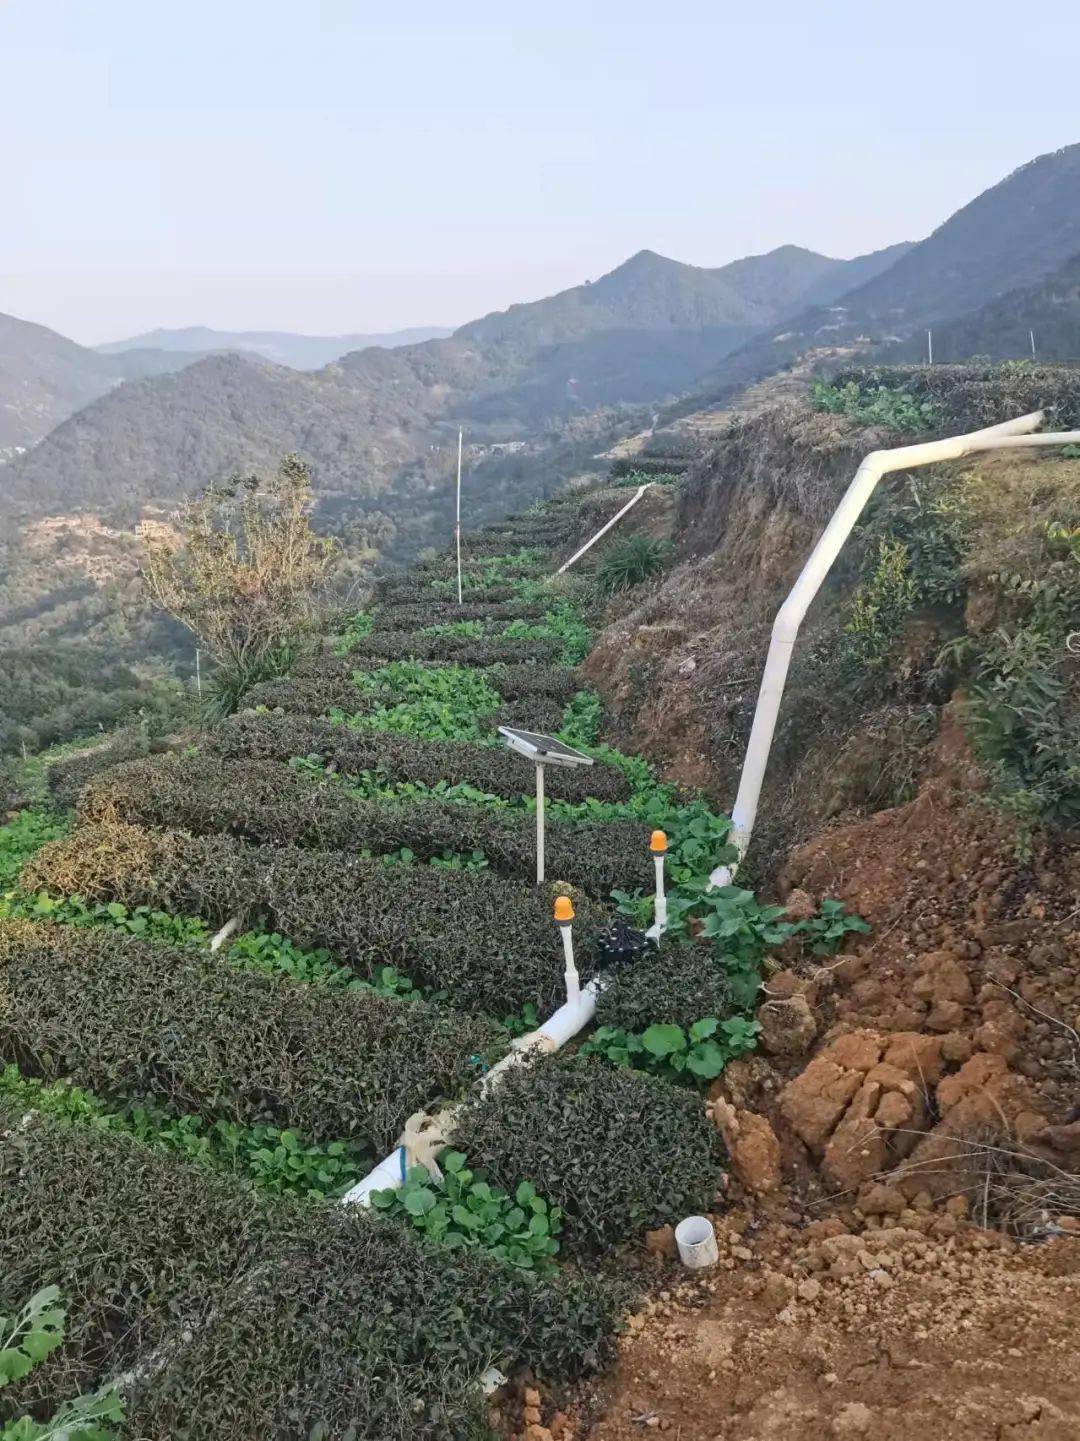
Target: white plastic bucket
[(696, 1241)]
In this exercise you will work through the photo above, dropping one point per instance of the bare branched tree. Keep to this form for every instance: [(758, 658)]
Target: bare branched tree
[(243, 570)]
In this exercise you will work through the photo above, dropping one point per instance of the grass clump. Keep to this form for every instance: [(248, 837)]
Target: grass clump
[(631, 562)]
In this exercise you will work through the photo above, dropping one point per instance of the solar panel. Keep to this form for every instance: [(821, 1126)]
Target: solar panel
[(545, 749)]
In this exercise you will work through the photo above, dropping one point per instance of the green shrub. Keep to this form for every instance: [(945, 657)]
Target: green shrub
[(489, 943), (630, 562), (274, 804), (460, 1210), (676, 983), (616, 1150), (133, 1020), (406, 758), (145, 1246), (880, 607)]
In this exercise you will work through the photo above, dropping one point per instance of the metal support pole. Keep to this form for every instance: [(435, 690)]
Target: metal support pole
[(929, 347), (457, 522), (539, 824)]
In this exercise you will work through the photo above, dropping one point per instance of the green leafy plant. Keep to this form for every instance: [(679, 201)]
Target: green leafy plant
[(694, 1056), (449, 702), (355, 629), (880, 606), (276, 1161), (462, 1210), (26, 833), (26, 1340), (876, 404), (631, 562), (582, 719), (826, 931), (473, 628)]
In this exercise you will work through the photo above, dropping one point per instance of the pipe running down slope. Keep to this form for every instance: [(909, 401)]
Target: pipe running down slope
[(1010, 435)]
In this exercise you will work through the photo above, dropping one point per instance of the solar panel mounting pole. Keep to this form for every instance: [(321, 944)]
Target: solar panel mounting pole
[(457, 525), (539, 823)]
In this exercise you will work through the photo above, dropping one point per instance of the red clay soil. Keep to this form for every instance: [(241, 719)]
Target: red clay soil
[(965, 1339)]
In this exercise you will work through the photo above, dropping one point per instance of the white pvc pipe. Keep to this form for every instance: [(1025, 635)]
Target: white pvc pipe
[(231, 925), (560, 1027), (539, 823), (660, 899), (573, 980), (604, 529), (1011, 434)]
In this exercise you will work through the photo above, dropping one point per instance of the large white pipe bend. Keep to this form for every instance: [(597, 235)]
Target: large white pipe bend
[(1011, 434)]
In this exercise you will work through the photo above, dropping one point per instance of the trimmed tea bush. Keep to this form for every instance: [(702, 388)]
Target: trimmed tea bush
[(678, 985), (266, 1319), (270, 803), (413, 589), (69, 774), (618, 1151), (489, 943), (413, 616), (464, 649), (405, 758), (130, 1018)]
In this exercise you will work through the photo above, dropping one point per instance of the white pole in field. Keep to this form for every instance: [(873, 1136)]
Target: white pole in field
[(539, 824), (198, 671), (929, 347), (457, 526), (1032, 334)]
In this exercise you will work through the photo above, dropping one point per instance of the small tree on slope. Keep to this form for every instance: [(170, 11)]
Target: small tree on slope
[(243, 575)]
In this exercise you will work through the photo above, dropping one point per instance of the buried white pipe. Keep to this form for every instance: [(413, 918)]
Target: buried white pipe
[(426, 1134), (603, 529), (1011, 434)]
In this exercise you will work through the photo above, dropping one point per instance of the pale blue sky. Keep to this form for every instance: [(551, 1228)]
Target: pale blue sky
[(347, 165)]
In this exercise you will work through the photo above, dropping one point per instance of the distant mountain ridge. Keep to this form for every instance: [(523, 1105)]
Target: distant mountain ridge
[(301, 352), (641, 333), (650, 292), (1011, 239), (44, 378)]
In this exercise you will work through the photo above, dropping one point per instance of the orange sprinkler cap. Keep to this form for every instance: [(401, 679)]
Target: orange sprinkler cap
[(564, 908), (658, 843)]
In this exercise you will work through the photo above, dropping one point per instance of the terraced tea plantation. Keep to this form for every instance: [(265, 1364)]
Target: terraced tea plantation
[(232, 976)]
